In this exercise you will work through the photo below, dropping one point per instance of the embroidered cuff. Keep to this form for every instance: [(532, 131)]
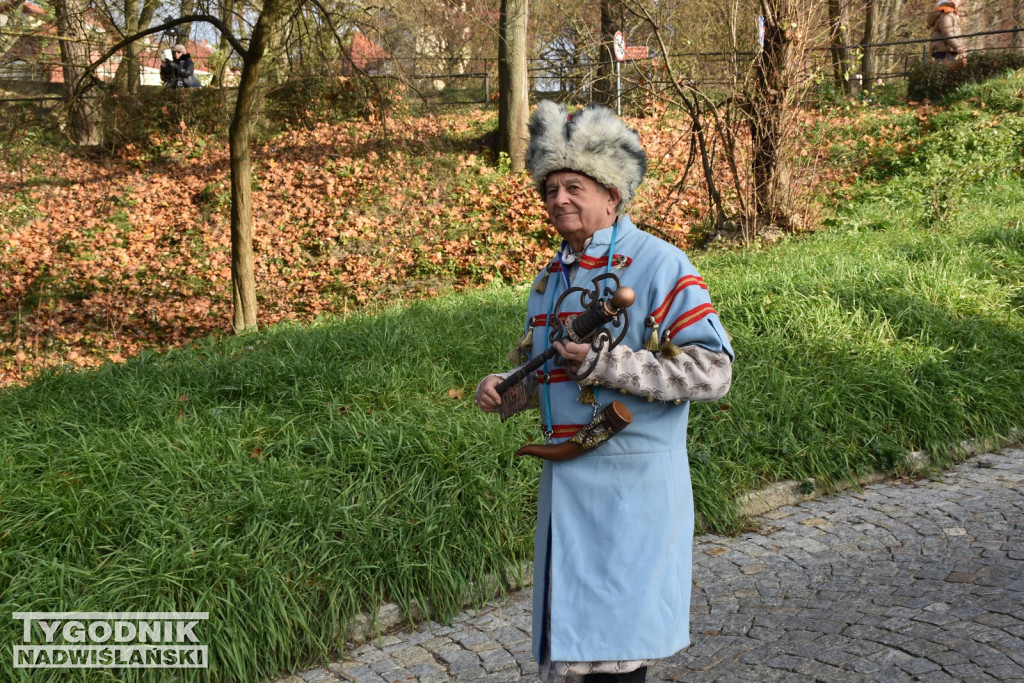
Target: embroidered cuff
[(696, 374)]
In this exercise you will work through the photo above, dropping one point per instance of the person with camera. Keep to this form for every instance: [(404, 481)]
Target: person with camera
[(177, 69)]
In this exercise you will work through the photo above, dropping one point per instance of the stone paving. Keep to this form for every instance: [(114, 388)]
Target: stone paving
[(919, 580)]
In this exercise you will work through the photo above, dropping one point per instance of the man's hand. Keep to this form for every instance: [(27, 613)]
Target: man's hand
[(573, 353), (487, 396)]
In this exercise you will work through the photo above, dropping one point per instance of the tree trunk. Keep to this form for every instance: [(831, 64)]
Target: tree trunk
[(604, 84), (75, 55), (1017, 12), (513, 95), (892, 26), (227, 11), (243, 280), (126, 79), (839, 29), (867, 60), (185, 30), (768, 108), (129, 71)]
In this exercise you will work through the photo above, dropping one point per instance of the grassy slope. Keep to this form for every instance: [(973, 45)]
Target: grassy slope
[(280, 481), (284, 481)]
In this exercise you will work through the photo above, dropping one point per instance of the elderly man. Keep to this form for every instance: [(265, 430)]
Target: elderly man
[(615, 525)]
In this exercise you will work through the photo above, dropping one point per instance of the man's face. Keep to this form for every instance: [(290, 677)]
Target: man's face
[(578, 206), (178, 53)]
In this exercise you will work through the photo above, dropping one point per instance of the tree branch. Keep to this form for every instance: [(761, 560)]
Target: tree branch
[(217, 23)]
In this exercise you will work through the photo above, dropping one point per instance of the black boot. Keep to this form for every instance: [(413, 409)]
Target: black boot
[(638, 676)]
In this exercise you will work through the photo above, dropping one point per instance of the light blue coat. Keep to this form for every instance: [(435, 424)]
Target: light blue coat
[(620, 516)]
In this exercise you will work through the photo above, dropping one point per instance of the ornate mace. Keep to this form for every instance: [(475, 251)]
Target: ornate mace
[(605, 303)]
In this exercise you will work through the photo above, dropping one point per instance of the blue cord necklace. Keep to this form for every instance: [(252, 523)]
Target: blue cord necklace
[(549, 424)]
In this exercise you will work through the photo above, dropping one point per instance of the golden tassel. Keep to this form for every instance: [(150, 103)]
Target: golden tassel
[(542, 283), (587, 396), (521, 351), (652, 341), (668, 349), (526, 341)]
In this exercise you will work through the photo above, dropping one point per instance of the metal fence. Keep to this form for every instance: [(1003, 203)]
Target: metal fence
[(640, 77), (894, 60)]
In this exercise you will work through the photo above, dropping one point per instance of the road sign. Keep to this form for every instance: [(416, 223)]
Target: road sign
[(619, 44)]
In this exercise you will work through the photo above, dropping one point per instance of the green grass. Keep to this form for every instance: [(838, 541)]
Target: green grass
[(286, 481), (855, 347), (281, 481)]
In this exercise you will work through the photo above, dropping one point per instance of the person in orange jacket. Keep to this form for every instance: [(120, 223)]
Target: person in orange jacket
[(944, 22)]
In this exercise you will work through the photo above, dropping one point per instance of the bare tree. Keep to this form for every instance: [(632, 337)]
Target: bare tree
[(745, 122), (611, 21), (220, 65), (699, 108), (185, 8), (839, 33), (513, 94), (566, 44), (1017, 13), (75, 46), (767, 107), (881, 17), (243, 281), (137, 15)]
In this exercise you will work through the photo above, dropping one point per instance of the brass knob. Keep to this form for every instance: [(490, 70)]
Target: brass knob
[(623, 297)]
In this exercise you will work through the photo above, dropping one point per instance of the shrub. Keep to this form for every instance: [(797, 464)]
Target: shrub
[(154, 110), (308, 101), (930, 80)]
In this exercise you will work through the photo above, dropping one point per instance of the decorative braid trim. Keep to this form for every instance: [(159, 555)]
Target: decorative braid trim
[(565, 431), (541, 320), (688, 281), (690, 317), (592, 262), (553, 377)]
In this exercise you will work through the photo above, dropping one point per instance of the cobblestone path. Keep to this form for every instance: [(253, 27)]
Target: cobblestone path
[(903, 581)]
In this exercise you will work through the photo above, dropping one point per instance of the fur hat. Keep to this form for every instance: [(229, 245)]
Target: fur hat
[(179, 48), (593, 141)]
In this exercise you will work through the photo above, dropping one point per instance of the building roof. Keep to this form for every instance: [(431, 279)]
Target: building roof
[(364, 55), (29, 8), (200, 52)]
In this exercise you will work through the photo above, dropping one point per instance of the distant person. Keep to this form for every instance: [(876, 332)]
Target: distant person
[(177, 70), (944, 21)]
